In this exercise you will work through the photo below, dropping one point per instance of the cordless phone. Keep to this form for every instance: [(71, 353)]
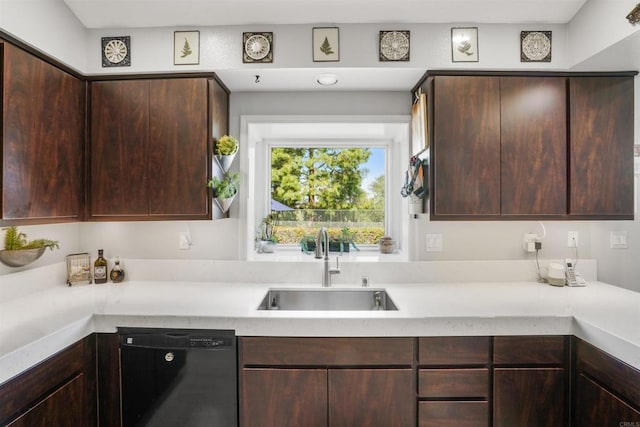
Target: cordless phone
[(573, 278)]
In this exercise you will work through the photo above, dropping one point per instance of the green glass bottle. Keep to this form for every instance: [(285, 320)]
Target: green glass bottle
[(100, 268)]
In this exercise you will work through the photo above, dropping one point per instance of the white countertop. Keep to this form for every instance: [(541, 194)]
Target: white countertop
[(35, 325)]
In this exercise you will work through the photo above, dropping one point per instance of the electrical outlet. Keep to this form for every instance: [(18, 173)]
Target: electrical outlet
[(530, 242), (184, 240), (572, 239), (434, 243)]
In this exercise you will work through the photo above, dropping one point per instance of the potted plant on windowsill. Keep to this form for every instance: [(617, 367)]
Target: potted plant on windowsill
[(19, 252), (224, 150), (265, 235), (225, 189)]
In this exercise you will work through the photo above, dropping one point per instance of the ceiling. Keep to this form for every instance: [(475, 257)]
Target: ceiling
[(169, 13)]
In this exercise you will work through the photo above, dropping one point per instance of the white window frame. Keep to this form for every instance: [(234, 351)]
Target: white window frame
[(258, 134)]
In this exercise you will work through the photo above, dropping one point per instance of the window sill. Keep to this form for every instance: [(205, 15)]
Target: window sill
[(292, 253)]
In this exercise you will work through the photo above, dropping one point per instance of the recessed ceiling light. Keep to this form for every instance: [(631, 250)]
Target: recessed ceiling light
[(327, 79)]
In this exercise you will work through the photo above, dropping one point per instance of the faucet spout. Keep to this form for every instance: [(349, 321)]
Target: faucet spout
[(322, 252), (322, 244)]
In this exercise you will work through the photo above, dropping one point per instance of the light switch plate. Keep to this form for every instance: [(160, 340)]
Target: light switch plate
[(618, 240), (434, 242)]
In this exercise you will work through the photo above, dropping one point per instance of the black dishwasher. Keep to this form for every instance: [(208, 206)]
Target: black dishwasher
[(178, 377)]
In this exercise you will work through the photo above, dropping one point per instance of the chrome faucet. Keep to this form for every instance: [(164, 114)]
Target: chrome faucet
[(322, 244)]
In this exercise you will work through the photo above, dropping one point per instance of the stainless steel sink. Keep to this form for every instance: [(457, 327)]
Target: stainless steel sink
[(327, 299)]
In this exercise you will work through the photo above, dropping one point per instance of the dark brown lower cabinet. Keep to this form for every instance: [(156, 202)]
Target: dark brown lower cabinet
[(63, 407), (58, 392), (606, 390), (287, 381), (327, 397), (596, 407), (371, 397), (528, 397), (284, 397), (454, 381)]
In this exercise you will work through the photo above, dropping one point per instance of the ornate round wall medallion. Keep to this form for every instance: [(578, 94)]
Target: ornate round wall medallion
[(535, 46), (116, 51), (257, 47), (394, 45)]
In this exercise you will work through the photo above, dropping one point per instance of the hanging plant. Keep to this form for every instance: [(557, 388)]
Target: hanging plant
[(19, 252), (227, 187), (15, 240), (226, 145)]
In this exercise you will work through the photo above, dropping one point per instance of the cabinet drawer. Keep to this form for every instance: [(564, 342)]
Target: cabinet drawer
[(529, 350), (453, 350), (453, 414), (453, 383), (292, 351)]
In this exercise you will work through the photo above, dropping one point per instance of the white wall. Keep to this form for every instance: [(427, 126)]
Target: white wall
[(49, 26), (598, 25), (221, 47)]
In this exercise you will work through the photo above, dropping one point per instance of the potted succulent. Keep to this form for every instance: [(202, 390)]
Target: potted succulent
[(19, 252), (341, 243), (225, 189), (265, 235), (225, 149)]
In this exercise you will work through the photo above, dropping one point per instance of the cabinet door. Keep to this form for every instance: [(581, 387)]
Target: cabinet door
[(466, 146), (119, 142), (219, 100), (533, 145), (283, 397), (371, 397), (178, 148), (60, 391), (601, 147), (42, 139), (596, 407), (528, 397), (63, 407)]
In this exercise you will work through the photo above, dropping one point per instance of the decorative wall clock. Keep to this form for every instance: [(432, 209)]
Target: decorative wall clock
[(257, 47), (116, 51), (394, 45), (535, 46)]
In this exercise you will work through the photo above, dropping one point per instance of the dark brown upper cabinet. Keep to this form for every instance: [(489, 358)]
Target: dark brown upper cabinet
[(119, 148), (533, 150), (42, 140), (601, 147), (150, 155), (466, 146), (531, 146)]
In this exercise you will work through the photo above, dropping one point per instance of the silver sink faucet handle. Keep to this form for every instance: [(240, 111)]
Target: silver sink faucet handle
[(333, 271)]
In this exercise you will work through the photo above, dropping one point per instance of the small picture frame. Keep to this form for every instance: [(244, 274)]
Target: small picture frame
[(257, 47), (394, 45), (326, 44), (186, 47), (535, 46), (464, 44)]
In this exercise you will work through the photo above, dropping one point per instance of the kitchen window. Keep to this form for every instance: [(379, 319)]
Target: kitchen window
[(288, 143)]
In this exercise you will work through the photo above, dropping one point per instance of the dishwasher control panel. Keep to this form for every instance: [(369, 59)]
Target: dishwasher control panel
[(176, 338)]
